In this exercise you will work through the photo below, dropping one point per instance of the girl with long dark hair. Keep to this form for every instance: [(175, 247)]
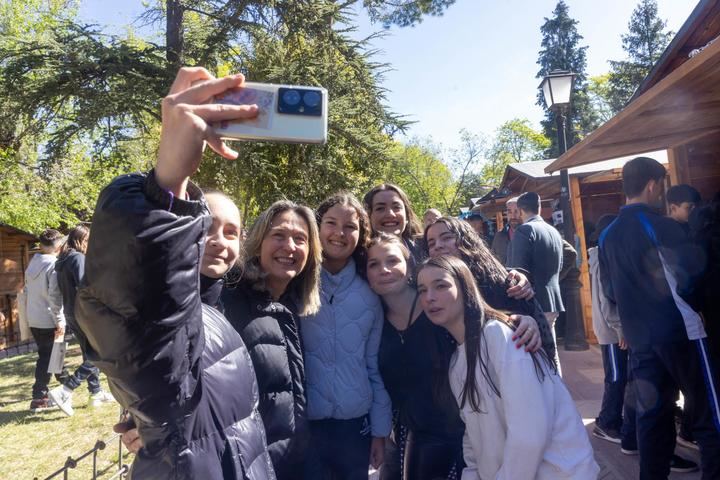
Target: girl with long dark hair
[(450, 236), (521, 422), (391, 212), (412, 360)]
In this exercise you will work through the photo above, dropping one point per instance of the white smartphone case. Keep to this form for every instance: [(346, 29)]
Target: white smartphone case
[(271, 125)]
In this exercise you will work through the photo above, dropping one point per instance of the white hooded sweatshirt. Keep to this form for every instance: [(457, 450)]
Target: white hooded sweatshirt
[(43, 296)]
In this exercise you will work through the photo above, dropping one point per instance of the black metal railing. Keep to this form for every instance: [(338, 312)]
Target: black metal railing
[(71, 463)]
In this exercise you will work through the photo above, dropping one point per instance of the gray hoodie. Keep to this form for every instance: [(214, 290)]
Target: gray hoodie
[(605, 318), (43, 297)]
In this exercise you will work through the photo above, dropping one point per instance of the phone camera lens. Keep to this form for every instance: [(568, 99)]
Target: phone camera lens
[(291, 97), (312, 99)]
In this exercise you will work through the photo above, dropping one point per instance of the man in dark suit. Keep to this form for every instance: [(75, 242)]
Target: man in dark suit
[(537, 248)]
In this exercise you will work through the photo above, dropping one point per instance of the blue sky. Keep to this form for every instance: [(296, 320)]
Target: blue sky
[(474, 67)]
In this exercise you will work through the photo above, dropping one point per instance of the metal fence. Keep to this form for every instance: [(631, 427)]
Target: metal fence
[(71, 463)]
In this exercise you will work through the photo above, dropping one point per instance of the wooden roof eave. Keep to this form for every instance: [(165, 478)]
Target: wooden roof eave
[(680, 108)]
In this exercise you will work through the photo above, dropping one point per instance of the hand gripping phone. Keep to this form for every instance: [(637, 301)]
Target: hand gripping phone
[(286, 114)]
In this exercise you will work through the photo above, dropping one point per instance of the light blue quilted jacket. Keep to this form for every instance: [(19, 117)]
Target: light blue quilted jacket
[(341, 346)]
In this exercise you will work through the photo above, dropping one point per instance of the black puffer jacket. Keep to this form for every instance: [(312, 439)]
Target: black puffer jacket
[(272, 334), (177, 365)]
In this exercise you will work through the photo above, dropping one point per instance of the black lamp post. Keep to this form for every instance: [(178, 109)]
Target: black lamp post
[(557, 89)]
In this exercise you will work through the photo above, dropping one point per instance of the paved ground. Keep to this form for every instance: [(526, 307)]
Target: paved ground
[(583, 375)]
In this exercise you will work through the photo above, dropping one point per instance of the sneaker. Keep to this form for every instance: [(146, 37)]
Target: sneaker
[(41, 405), (63, 397), (99, 398), (682, 465), (609, 434), (680, 440), (629, 451)]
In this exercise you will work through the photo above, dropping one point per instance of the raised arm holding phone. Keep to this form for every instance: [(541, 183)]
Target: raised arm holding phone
[(175, 364)]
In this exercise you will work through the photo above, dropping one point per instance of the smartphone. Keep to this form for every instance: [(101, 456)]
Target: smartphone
[(286, 114)]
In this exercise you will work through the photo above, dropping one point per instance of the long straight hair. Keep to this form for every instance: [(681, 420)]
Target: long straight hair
[(306, 285), (476, 315), (77, 240)]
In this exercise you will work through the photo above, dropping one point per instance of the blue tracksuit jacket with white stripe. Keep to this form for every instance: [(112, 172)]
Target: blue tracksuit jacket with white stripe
[(651, 268)]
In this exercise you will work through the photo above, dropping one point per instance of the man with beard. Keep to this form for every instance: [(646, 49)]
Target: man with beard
[(502, 239), (650, 271)]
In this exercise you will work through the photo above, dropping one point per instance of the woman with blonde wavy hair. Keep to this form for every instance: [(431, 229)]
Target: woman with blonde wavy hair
[(280, 281)]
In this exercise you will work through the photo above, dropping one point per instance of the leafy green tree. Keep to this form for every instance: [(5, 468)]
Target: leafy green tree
[(644, 43), (74, 94), (561, 50), (404, 12), (419, 171), (514, 141), (601, 96)]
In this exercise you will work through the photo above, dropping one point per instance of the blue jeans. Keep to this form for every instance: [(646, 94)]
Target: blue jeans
[(340, 449), (86, 371)]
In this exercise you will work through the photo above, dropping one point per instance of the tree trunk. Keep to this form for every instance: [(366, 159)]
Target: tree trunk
[(174, 33)]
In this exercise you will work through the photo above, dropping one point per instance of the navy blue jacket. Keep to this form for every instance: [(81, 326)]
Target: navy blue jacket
[(650, 292)]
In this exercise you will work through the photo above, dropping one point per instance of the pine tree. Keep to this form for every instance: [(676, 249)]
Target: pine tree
[(644, 44), (561, 50)]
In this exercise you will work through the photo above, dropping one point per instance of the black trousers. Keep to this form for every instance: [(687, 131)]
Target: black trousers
[(425, 457), (340, 449), (615, 366), (658, 371), (44, 338)]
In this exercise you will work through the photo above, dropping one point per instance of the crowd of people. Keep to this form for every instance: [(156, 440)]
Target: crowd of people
[(353, 335)]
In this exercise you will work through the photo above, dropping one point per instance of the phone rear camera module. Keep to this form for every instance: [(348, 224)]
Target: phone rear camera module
[(300, 101), (312, 99), (291, 97)]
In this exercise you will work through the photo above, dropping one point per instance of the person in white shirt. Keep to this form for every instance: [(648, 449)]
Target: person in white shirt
[(521, 422)]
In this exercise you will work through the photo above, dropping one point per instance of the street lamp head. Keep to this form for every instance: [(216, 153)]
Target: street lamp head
[(557, 87)]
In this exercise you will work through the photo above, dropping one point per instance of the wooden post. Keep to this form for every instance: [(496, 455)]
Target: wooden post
[(499, 225), (585, 298), (678, 165)]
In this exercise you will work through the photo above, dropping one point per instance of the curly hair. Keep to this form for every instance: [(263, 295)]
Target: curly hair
[(485, 267)]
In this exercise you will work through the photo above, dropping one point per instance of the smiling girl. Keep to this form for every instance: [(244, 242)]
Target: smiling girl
[(412, 360), (348, 407), (521, 422), (391, 212)]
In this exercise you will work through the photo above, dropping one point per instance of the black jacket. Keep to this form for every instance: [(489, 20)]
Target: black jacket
[(537, 248), (70, 269), (272, 334), (177, 365)]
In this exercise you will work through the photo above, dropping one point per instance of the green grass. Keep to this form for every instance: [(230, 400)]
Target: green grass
[(37, 444)]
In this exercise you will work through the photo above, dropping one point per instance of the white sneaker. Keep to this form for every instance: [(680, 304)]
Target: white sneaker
[(99, 398), (62, 396)]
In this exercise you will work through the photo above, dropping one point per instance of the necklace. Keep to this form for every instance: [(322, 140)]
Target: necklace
[(401, 333)]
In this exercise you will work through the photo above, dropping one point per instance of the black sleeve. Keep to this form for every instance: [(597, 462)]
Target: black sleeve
[(139, 306)]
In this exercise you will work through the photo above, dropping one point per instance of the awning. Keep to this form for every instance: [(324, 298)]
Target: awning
[(682, 107)]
